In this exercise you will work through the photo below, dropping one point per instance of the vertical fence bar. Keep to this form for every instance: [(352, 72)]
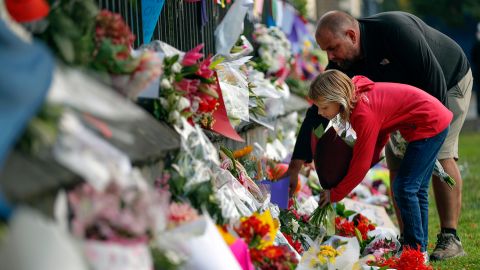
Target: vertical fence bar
[(179, 23)]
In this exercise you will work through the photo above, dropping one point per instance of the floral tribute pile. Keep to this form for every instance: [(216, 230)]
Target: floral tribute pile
[(169, 226)]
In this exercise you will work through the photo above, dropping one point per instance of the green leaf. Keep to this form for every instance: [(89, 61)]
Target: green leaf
[(61, 23), (340, 207), (171, 60), (319, 131), (209, 91), (348, 213), (65, 48), (217, 61), (358, 234), (450, 181), (189, 70), (232, 158)]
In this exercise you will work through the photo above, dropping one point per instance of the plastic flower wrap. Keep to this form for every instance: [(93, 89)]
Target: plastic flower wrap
[(267, 95), (335, 253), (234, 199), (235, 90), (241, 48), (200, 245), (148, 69), (130, 71), (188, 88), (239, 172), (191, 171), (274, 48)]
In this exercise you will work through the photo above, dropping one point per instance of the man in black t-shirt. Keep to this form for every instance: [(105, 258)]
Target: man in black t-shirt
[(399, 47)]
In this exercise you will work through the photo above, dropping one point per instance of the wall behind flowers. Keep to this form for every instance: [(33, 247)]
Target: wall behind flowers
[(181, 24)]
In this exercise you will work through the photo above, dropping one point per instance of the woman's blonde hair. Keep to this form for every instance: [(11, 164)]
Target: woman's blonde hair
[(335, 86)]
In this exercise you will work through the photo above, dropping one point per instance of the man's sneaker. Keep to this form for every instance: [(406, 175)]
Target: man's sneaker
[(448, 246)]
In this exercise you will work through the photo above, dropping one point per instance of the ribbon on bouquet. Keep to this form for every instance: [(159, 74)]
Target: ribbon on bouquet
[(222, 123)]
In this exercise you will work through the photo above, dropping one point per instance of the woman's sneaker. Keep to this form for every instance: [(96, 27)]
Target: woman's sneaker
[(425, 257), (448, 246)]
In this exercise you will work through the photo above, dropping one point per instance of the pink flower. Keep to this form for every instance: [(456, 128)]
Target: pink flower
[(192, 56), (181, 213), (188, 85), (204, 69)]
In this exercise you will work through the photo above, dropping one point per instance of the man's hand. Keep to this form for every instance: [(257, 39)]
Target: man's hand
[(324, 198), (293, 171)]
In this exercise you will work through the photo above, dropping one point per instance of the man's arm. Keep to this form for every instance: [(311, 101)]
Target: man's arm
[(302, 152)]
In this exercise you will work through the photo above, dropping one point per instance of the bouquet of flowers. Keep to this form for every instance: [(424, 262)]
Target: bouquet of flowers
[(113, 43), (274, 257), (82, 35), (117, 225), (274, 50), (180, 213), (296, 228), (409, 259), (229, 162), (322, 256), (382, 248), (358, 227), (188, 89), (189, 175), (115, 214), (258, 231)]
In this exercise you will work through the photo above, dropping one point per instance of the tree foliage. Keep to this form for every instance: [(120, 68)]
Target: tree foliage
[(453, 12)]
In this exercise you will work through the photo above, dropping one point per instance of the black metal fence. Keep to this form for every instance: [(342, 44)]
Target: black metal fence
[(180, 23)]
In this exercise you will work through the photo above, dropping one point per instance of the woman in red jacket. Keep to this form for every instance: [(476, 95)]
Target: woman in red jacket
[(373, 111)]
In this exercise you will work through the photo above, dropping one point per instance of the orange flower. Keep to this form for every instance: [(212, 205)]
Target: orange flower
[(243, 152)]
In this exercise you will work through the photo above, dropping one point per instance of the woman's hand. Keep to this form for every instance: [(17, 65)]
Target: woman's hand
[(324, 198)]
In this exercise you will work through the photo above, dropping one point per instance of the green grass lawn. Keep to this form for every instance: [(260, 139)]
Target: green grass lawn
[(468, 227)]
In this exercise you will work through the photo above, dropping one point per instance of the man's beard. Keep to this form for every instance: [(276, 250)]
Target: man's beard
[(345, 64)]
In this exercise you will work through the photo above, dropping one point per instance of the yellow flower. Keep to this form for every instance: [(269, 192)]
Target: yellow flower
[(227, 237), (266, 218), (321, 259), (307, 44)]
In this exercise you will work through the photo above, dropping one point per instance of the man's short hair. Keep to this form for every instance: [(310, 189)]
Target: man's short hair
[(335, 22)]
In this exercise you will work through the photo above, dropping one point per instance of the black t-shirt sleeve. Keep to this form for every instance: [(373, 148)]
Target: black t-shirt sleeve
[(303, 146)]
